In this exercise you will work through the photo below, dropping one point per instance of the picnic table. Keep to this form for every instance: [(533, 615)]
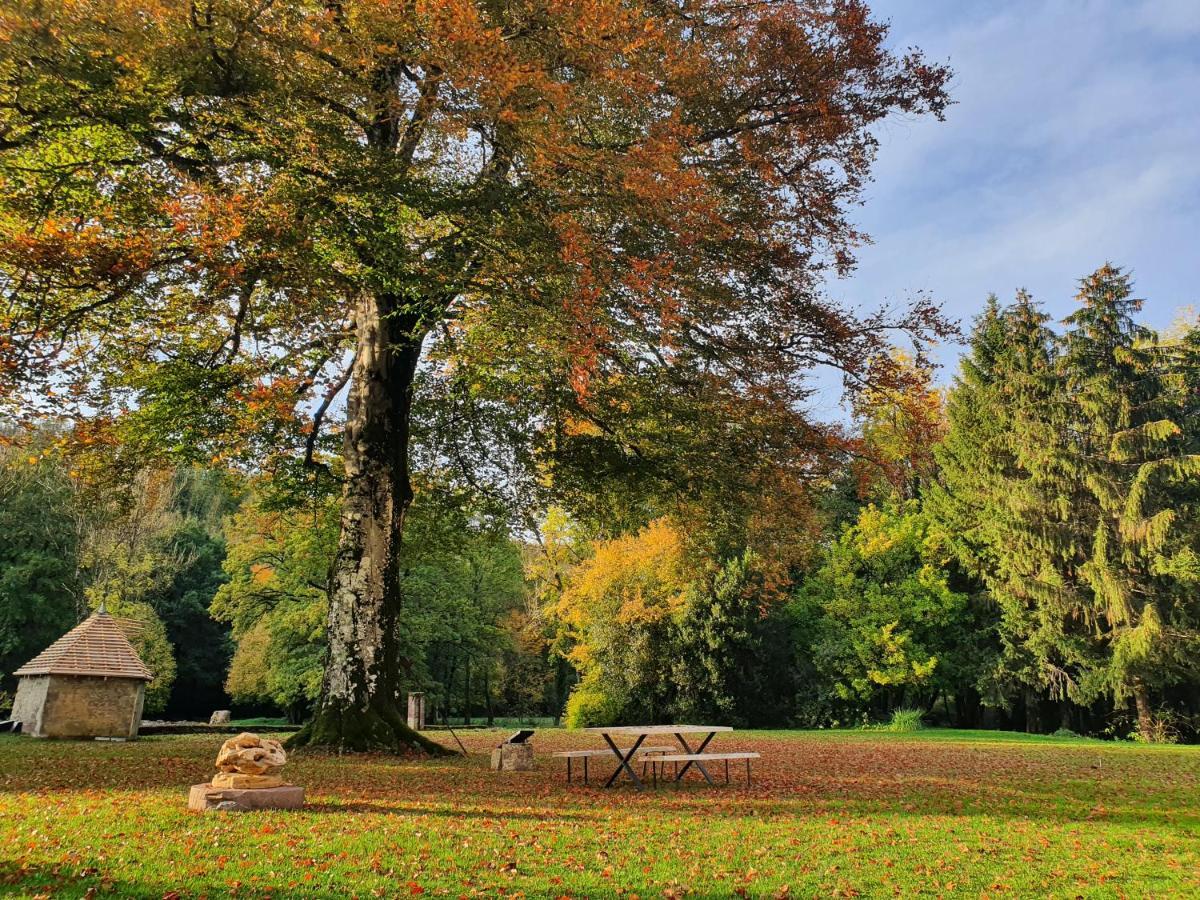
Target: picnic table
[(639, 733)]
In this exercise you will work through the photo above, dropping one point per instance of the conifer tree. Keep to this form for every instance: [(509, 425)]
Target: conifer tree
[(1068, 475), (971, 456), (1046, 518), (1130, 449), (1001, 493)]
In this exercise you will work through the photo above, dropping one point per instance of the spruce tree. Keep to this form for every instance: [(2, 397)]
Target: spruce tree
[(1000, 494), (1130, 447), (1045, 521), (1069, 476), (971, 457)]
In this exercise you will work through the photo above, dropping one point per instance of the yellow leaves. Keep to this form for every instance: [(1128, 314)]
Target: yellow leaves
[(576, 427), (636, 578), (875, 538)]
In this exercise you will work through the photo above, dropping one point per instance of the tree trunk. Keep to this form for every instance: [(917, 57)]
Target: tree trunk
[(487, 696), (562, 677), (1145, 715), (1033, 724), (450, 674), (1064, 715), (360, 704)]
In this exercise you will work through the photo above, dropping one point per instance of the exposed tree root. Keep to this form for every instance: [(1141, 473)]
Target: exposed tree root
[(378, 728)]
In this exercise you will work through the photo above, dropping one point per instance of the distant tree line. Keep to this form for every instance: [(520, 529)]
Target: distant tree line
[(149, 547), (1019, 550), (222, 582)]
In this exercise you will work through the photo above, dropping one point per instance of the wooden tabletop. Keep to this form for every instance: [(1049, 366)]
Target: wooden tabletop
[(660, 729)]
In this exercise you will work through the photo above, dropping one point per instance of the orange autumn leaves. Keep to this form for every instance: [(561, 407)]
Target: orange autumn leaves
[(851, 813), (616, 190), (902, 421)]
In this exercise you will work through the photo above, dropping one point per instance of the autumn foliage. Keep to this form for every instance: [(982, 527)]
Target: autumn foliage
[(217, 218)]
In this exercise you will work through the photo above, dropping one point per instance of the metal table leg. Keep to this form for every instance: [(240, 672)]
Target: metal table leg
[(624, 761), (700, 749)]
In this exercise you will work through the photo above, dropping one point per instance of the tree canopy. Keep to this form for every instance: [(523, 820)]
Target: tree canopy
[(218, 216)]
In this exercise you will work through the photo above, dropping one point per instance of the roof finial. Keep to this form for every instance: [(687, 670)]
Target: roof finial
[(102, 610)]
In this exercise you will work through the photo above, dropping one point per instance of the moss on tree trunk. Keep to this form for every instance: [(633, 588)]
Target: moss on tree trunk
[(357, 731)]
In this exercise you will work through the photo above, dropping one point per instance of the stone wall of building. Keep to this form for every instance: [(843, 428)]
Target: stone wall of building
[(84, 706), (27, 705)]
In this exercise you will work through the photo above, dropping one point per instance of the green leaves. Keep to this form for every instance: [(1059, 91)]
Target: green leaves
[(39, 582), (881, 622)]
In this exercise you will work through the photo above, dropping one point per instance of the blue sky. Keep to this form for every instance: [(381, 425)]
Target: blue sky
[(1075, 139)]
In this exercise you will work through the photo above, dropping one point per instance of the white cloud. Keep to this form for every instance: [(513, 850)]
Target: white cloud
[(1178, 19), (1074, 141)]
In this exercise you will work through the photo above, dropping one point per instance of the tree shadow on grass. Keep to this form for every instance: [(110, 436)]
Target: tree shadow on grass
[(789, 784), (68, 880), (447, 812)]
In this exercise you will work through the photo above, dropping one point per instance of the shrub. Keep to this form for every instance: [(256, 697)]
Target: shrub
[(905, 720), (1163, 730), (590, 706)]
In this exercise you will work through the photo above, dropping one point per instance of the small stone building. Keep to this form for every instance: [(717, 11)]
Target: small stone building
[(89, 683)]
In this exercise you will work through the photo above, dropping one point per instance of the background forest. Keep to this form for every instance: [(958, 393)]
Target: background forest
[(1019, 550)]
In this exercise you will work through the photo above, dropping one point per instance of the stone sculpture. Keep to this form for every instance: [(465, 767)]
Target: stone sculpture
[(248, 761), (247, 778)]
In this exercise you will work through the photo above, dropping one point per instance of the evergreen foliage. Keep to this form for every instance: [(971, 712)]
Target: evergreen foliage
[(1069, 475)]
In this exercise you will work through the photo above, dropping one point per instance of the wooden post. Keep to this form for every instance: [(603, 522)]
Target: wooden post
[(467, 692), (416, 710)]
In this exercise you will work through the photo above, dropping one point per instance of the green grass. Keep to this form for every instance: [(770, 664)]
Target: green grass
[(499, 723), (842, 813), (260, 722)]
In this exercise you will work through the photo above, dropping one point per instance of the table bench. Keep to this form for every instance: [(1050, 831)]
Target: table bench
[(585, 755), (703, 757), (641, 732)]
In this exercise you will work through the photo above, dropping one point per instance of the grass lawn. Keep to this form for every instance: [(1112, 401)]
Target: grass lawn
[(831, 813)]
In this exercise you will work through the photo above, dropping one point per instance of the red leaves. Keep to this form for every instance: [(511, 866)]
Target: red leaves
[(78, 249)]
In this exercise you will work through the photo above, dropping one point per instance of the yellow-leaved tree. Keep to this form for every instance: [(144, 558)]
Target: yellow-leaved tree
[(615, 609)]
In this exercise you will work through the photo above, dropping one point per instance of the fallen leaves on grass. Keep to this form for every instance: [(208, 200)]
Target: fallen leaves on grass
[(838, 814)]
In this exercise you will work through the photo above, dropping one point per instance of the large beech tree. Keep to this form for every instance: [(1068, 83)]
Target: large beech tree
[(219, 216)]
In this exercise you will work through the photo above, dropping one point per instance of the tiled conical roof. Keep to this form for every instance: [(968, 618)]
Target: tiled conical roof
[(96, 646)]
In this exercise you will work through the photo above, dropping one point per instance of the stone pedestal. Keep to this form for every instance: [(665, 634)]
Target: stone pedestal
[(416, 711), (206, 798), (512, 758)]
